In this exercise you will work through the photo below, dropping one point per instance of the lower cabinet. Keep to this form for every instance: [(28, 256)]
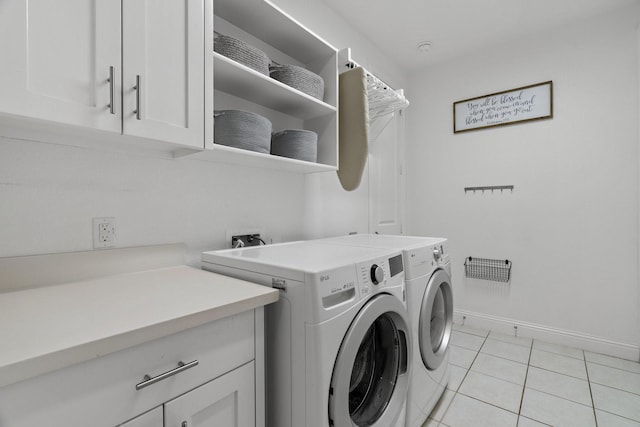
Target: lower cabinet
[(228, 401), (209, 375), (153, 418)]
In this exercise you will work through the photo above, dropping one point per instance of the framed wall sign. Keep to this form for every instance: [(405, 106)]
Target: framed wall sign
[(533, 102)]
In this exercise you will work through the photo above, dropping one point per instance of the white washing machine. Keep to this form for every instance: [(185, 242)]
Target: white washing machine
[(338, 341), (430, 306)]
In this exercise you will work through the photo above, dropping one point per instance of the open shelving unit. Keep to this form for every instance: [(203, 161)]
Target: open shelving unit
[(237, 87)]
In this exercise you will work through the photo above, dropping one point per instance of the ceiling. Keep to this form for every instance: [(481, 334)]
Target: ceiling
[(455, 27)]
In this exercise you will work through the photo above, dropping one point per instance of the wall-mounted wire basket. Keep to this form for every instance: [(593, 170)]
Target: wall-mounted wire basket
[(497, 270)]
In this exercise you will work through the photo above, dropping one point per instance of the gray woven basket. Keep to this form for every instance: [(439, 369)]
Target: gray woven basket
[(242, 129), (299, 78), (296, 144), (242, 52)]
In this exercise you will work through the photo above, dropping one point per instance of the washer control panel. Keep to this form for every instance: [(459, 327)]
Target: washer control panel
[(380, 273), (377, 274), (422, 260), (437, 254)]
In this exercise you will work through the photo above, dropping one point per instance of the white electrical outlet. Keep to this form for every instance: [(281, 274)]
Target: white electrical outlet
[(104, 232)]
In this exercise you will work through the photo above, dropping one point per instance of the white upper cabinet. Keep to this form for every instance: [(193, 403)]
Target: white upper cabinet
[(77, 62), (56, 61), (143, 74), (163, 70)]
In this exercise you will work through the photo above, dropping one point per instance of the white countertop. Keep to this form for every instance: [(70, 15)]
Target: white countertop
[(49, 328)]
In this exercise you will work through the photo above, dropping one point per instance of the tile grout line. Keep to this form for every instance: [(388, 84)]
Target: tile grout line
[(487, 403), (614, 367), (609, 385), (509, 343), (564, 374), (455, 393), (447, 409), (561, 398), (490, 404), (524, 386), (615, 388), (503, 358), (498, 378), (620, 416), (593, 404)]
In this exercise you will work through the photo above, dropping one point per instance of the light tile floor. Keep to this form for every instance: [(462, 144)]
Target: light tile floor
[(500, 380)]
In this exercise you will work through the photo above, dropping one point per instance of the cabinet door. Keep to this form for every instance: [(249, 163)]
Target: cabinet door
[(56, 58), (152, 418), (227, 401), (163, 70)]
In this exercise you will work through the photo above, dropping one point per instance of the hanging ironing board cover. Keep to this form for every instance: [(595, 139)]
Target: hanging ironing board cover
[(354, 127)]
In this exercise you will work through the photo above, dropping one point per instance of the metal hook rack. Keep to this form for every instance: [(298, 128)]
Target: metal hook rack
[(489, 188)]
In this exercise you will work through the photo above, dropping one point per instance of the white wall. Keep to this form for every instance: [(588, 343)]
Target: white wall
[(50, 193), (571, 224)]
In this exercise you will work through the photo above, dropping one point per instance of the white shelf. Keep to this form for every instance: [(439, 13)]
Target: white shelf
[(273, 26), (244, 82), (253, 159)]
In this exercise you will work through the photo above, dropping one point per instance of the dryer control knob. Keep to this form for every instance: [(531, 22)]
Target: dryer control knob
[(377, 274)]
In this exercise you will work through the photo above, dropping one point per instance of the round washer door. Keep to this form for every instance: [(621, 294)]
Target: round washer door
[(436, 320), (371, 374)]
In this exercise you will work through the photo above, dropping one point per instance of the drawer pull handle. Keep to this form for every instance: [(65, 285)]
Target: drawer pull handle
[(148, 380)]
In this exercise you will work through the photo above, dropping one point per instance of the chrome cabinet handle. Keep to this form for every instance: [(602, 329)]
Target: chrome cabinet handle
[(112, 90), (138, 89), (148, 380)]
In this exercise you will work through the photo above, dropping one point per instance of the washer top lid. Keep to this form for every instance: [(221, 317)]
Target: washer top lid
[(387, 241), (303, 256)]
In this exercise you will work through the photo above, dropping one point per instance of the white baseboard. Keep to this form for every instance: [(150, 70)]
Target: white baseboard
[(549, 334)]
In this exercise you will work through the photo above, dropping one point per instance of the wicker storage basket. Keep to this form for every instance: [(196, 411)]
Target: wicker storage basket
[(242, 52), (296, 144), (242, 129), (299, 78)]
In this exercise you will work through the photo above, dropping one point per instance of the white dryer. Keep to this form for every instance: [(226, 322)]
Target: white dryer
[(430, 306), (338, 340)]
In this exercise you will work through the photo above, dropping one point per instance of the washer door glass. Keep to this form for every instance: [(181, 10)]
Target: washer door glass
[(436, 320), (375, 372), (370, 377)]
